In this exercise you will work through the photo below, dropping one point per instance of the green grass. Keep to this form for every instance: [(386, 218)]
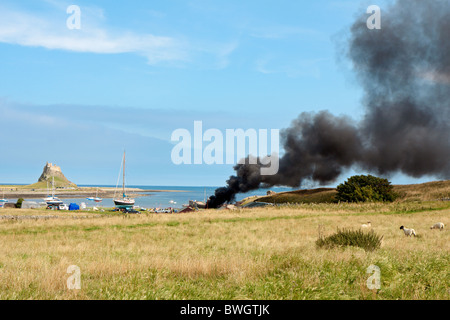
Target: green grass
[(59, 182), (369, 241)]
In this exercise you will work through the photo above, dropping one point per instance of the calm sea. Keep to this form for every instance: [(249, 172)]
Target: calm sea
[(166, 198)]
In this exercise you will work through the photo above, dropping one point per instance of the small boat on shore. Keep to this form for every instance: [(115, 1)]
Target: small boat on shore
[(53, 200), (96, 198), (125, 201), (3, 200)]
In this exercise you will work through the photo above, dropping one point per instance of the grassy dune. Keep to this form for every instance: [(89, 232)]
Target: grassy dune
[(413, 192), (320, 195), (264, 253), (424, 191)]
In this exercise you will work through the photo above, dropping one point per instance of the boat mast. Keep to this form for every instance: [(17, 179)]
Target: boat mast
[(123, 182)]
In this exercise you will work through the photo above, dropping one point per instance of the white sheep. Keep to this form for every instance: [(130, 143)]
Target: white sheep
[(438, 225), (408, 232), (368, 225)]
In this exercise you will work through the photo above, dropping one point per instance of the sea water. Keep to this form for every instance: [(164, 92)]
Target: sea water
[(168, 196), (176, 197)]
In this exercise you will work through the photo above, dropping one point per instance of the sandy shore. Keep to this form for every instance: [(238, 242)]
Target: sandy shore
[(81, 192)]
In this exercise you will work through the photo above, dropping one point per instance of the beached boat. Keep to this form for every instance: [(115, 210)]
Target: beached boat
[(53, 200), (3, 200), (96, 198), (197, 204), (125, 201)]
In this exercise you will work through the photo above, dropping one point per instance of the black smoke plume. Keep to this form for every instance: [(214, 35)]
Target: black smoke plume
[(404, 69)]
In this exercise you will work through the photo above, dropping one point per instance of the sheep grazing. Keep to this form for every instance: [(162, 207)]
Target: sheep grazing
[(408, 232), (368, 225), (438, 225)]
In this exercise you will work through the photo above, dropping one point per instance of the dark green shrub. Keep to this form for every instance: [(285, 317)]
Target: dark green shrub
[(19, 203), (365, 188), (369, 241)]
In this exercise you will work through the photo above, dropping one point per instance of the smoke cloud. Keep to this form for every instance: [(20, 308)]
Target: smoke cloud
[(404, 69)]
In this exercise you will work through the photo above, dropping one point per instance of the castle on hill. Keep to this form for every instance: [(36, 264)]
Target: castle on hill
[(53, 171)]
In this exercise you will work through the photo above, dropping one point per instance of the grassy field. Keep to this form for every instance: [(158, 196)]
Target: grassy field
[(264, 253)]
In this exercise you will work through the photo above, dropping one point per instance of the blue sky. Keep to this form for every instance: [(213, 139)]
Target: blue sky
[(138, 70)]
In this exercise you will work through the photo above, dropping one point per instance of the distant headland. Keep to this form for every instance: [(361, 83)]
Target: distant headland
[(52, 173), (64, 187)]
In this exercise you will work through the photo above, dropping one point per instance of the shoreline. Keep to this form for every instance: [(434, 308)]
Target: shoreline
[(81, 192)]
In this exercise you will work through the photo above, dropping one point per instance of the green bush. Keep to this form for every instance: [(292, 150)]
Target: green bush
[(19, 203), (365, 188), (369, 241)]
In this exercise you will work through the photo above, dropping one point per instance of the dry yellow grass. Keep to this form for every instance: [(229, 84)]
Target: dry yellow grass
[(247, 254), (429, 191), (425, 191)]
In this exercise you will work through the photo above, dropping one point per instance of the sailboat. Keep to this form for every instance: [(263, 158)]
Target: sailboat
[(53, 200), (3, 200), (96, 199), (125, 201)]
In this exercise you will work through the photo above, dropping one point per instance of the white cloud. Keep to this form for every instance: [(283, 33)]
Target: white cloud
[(143, 122), (26, 29), (221, 52), (297, 68)]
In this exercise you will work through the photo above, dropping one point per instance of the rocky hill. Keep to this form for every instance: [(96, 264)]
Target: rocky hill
[(53, 171)]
